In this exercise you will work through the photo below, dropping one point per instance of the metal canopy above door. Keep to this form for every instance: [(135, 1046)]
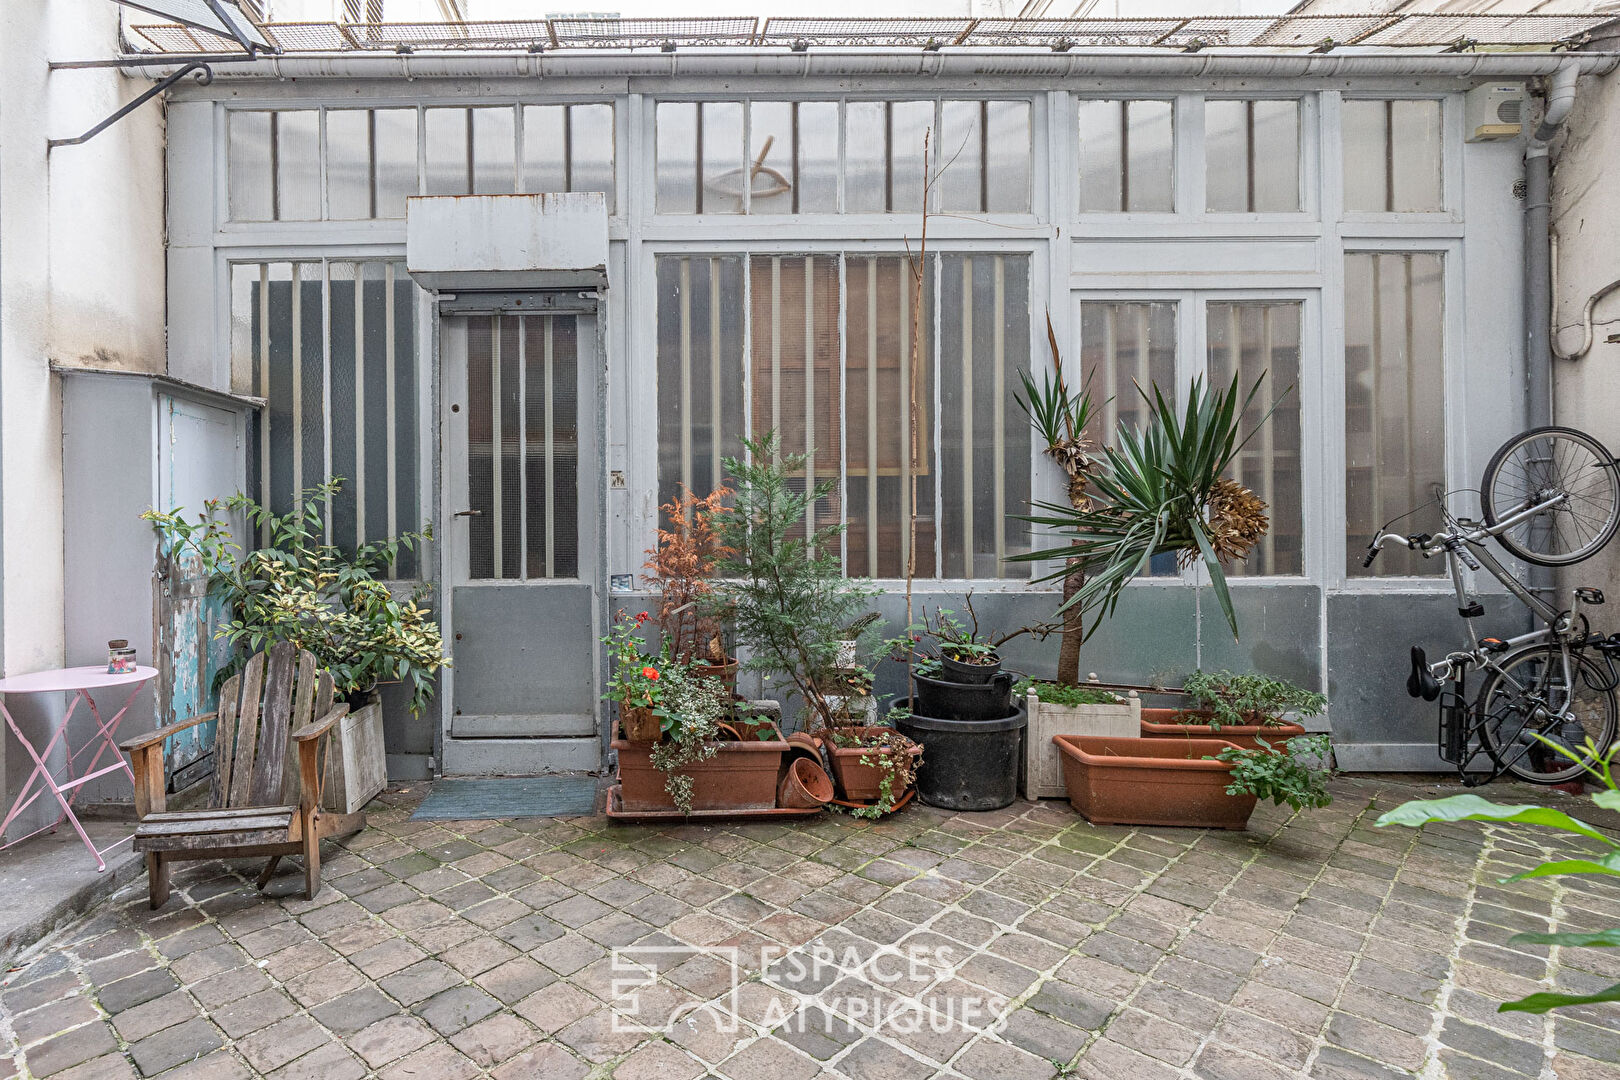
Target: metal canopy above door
[(520, 522)]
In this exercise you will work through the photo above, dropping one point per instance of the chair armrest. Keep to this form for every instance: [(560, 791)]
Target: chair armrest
[(139, 742), (316, 728)]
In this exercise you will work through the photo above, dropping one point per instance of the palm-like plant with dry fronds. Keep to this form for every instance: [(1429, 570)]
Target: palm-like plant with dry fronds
[(1161, 489)]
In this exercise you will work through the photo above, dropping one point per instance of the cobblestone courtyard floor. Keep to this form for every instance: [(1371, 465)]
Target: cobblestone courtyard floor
[(1313, 946)]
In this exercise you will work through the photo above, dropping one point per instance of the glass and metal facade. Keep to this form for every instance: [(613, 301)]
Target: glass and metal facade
[(766, 271)]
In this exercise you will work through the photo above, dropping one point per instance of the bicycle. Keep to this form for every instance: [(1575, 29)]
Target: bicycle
[(1550, 496)]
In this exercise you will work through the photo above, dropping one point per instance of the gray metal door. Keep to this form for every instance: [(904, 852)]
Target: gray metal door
[(520, 499)]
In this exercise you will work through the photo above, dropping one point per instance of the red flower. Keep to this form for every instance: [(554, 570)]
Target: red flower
[(650, 673)]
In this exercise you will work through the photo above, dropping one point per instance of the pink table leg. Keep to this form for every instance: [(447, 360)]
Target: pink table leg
[(24, 800)]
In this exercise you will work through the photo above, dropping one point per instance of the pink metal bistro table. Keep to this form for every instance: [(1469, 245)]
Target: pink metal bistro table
[(79, 682)]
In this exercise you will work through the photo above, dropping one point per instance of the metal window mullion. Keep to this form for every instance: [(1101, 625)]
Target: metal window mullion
[(326, 389), (263, 388), (497, 509), (275, 166), (359, 405), (936, 354), (998, 395), (718, 443), (1124, 155), (523, 446), (906, 432), (392, 464), (843, 407), (686, 370), (871, 417), (967, 416), (371, 163), (320, 164), (297, 380), (809, 296), (776, 349), (551, 452)]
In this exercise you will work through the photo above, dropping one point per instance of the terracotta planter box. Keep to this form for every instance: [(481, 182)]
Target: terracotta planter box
[(742, 776), (1151, 782), (1043, 765), (1162, 724), (861, 783)]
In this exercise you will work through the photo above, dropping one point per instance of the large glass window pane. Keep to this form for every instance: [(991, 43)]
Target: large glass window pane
[(1392, 156), (1127, 156), (298, 165), (1127, 348), (545, 148), (449, 152), (884, 449), (676, 172), (908, 123), (1251, 151), (984, 437), (1394, 420), (1251, 339), (395, 159), (551, 446), (252, 185), (348, 164), (959, 156), (494, 136), (772, 133), (720, 139), (794, 376), (700, 370), (816, 160)]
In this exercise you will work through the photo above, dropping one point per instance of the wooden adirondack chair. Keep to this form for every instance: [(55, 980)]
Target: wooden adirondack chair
[(258, 806)]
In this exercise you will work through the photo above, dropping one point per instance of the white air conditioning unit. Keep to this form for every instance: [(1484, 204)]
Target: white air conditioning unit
[(1496, 110)]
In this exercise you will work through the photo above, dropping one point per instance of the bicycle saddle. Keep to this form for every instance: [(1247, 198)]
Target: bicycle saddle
[(1420, 684)]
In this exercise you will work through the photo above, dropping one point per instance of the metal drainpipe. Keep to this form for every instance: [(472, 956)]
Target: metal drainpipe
[(1538, 267)]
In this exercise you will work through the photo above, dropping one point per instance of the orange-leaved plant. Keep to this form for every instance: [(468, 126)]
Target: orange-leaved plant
[(681, 567)]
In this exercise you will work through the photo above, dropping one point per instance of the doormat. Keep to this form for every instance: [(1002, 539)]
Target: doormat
[(509, 797)]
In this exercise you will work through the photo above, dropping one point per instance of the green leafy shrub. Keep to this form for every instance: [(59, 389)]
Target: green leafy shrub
[(1606, 861), (689, 710), (1250, 698), (1295, 773), (302, 590), (1053, 693)]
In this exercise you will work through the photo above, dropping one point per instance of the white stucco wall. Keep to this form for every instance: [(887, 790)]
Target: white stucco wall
[(81, 281), (1586, 220)]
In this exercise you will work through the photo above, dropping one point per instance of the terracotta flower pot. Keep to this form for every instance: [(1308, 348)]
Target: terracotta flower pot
[(638, 724), (742, 776), (862, 783), (1151, 782), (726, 672), (1168, 724), (804, 784)]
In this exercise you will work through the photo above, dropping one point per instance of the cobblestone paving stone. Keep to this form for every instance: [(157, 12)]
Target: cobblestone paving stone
[(1309, 946)]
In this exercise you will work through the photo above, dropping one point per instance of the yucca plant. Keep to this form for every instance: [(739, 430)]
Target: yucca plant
[(1161, 490)]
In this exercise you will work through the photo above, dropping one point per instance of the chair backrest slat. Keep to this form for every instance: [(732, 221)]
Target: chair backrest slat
[(270, 763), (225, 740), (247, 733)]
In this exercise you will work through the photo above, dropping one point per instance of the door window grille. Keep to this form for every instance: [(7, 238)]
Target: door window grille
[(523, 446), (332, 347)]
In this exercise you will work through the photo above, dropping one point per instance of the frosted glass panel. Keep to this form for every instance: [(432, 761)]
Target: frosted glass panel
[(1102, 172), (252, 185), (817, 158), (959, 156), (1251, 154), (494, 143), (591, 150), (448, 153), (909, 121), (298, 165), (1392, 156), (676, 173), (725, 182), (1007, 176), (1394, 401), (545, 148), (395, 160), (865, 157), (1276, 157), (771, 136), (1150, 157), (1415, 156), (348, 164)]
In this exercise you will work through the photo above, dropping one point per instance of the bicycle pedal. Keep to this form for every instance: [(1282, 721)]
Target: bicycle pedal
[(1473, 611), (1586, 594)]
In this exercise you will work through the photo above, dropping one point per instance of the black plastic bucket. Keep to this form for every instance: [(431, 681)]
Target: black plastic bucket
[(956, 671), (968, 764), (965, 701)]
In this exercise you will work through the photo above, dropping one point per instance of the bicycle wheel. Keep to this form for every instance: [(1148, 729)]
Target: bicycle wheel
[(1527, 696), (1539, 464)]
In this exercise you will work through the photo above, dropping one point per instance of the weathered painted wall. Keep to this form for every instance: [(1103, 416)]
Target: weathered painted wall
[(81, 282), (1586, 221)]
